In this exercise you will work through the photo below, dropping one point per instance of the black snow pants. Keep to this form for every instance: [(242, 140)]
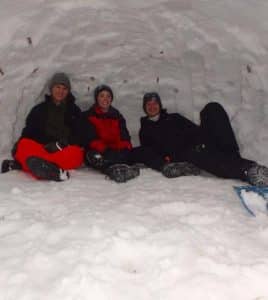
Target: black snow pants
[(218, 153), (138, 154)]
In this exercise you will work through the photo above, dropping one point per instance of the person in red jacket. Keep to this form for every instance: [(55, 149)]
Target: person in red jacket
[(47, 148), (106, 139)]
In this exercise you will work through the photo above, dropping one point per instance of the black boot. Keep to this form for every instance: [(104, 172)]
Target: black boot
[(44, 169), (10, 164), (177, 169), (122, 172), (257, 175)]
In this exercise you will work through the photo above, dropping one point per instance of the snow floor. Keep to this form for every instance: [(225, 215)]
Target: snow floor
[(150, 238)]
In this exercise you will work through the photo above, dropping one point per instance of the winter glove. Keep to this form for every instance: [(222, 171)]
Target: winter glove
[(94, 159), (55, 146)]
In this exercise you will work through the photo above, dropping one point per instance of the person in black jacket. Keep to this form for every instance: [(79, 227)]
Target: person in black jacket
[(211, 146), (48, 147), (106, 140)]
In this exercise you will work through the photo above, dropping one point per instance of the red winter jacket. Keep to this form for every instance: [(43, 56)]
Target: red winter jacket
[(111, 130)]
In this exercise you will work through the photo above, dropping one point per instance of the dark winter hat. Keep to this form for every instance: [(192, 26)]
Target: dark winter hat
[(151, 96), (60, 78), (101, 88)]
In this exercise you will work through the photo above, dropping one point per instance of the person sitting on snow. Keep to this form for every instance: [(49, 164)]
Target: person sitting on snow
[(105, 137), (47, 147), (212, 146)]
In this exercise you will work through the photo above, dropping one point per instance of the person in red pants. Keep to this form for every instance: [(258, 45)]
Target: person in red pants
[(47, 148)]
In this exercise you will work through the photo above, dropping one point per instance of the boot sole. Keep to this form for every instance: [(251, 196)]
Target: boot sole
[(46, 170)]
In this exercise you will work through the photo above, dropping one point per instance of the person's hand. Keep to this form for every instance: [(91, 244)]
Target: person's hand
[(55, 146), (94, 159)]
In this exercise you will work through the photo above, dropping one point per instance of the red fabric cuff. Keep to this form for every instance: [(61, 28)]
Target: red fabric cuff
[(124, 145), (98, 145)]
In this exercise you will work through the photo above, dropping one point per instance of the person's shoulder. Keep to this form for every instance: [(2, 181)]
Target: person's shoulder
[(144, 120), (174, 115), (114, 112), (39, 106), (89, 111)]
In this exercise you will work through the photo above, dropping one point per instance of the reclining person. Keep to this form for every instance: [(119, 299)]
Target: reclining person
[(47, 147), (212, 146)]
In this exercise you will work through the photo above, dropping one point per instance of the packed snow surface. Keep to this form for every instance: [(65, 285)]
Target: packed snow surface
[(151, 238)]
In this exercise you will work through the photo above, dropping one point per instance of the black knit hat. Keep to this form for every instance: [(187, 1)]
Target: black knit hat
[(151, 96), (60, 78), (101, 88)]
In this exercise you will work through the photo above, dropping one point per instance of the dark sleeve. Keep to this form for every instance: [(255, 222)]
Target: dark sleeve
[(125, 136), (32, 129), (85, 131), (73, 124), (144, 138)]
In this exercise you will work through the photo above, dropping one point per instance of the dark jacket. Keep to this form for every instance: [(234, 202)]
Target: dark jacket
[(101, 131), (172, 135), (36, 122)]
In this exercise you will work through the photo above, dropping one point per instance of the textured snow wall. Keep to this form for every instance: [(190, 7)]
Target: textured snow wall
[(191, 52)]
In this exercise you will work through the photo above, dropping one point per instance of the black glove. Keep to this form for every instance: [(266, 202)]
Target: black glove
[(94, 159), (55, 146)]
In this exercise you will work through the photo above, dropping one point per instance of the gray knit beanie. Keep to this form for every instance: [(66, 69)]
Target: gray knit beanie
[(60, 78)]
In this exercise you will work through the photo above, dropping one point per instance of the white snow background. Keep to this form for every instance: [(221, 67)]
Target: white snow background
[(152, 238)]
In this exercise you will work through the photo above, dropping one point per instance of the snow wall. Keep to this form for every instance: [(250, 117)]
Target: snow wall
[(191, 52)]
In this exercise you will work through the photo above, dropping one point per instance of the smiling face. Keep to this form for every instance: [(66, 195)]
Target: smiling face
[(152, 108), (59, 92), (104, 100)]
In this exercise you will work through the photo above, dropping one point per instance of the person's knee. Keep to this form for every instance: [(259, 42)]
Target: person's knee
[(211, 109)]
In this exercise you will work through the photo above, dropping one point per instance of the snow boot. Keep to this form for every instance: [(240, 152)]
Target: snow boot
[(44, 169), (257, 175), (94, 159), (122, 172), (177, 169), (10, 164)]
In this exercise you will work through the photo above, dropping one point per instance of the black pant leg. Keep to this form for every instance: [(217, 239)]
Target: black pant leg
[(220, 164), (112, 157), (146, 156), (217, 129)]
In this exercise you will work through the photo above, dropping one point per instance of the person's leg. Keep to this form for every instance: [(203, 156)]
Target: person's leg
[(114, 164), (151, 159), (70, 157), (27, 148), (147, 157), (220, 164), (110, 157), (216, 127)]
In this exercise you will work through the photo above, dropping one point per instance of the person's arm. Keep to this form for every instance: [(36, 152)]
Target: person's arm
[(32, 129), (85, 131), (125, 139)]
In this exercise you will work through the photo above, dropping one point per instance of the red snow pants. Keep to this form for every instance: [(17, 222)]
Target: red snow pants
[(71, 157)]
